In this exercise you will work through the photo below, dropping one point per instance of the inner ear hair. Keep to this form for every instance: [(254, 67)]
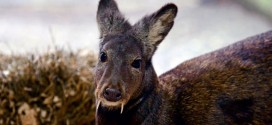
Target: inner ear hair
[(162, 22)]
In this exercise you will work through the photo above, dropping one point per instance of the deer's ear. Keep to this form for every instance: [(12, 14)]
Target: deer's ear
[(109, 18), (153, 28)]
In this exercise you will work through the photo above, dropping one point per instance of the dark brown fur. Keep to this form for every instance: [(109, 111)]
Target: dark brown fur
[(229, 86)]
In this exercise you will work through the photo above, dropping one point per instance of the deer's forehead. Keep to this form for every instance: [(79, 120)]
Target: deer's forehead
[(122, 46)]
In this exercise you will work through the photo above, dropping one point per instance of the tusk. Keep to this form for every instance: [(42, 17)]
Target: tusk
[(122, 108), (97, 105)]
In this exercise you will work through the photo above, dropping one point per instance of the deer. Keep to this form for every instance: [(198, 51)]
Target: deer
[(232, 85)]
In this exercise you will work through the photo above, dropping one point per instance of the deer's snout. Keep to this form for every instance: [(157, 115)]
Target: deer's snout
[(112, 94)]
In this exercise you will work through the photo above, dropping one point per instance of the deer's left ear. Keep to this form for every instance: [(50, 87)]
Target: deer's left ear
[(109, 18), (152, 29)]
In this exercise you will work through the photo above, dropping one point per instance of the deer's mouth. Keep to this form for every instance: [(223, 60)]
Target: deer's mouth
[(118, 105), (110, 105)]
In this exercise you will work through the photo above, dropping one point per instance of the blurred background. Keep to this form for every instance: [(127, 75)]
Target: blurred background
[(201, 26)]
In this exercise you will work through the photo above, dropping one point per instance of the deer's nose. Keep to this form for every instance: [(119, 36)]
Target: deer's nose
[(112, 94)]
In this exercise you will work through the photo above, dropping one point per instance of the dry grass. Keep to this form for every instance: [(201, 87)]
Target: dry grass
[(51, 89)]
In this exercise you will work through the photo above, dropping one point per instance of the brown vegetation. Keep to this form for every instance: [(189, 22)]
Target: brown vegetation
[(50, 89)]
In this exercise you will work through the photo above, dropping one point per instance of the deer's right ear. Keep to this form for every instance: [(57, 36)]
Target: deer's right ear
[(109, 18), (153, 28)]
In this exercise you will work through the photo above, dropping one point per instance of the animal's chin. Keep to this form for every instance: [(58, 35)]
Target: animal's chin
[(110, 105)]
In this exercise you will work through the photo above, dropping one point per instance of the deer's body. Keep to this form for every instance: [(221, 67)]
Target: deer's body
[(229, 86), (232, 85)]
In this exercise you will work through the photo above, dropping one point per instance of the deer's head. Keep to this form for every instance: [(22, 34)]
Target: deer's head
[(124, 70)]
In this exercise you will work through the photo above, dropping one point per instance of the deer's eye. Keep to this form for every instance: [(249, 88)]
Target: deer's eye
[(103, 57), (136, 63)]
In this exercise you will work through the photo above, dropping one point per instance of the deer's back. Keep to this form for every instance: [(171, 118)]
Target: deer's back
[(232, 85)]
